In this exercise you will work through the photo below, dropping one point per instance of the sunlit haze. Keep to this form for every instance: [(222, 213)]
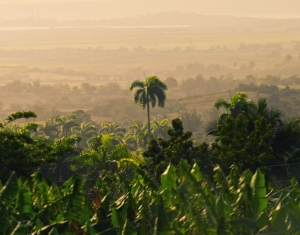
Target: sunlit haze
[(69, 9), (60, 56)]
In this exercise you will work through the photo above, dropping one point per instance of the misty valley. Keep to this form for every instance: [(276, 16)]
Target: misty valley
[(167, 123)]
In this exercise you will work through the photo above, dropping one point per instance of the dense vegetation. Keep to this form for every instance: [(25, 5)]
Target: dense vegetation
[(88, 178)]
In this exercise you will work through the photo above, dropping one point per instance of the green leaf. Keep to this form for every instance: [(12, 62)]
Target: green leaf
[(19, 115), (168, 182), (222, 228), (60, 227), (88, 229), (53, 232), (102, 225), (118, 217), (162, 222), (262, 221), (24, 203), (111, 231), (260, 201), (128, 229), (242, 225), (75, 190), (279, 220), (21, 229), (197, 173), (10, 190), (220, 207)]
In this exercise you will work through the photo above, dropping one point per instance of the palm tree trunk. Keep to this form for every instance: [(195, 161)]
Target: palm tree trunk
[(148, 113)]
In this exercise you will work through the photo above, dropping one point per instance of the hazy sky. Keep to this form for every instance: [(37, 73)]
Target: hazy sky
[(104, 9)]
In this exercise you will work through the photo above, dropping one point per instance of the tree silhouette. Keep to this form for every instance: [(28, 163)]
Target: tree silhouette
[(140, 132), (85, 131), (66, 123), (151, 91), (159, 129)]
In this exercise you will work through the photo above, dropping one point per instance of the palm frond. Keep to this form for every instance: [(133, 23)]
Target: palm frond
[(137, 84), (152, 99), (138, 94), (287, 138), (261, 106), (274, 116), (222, 103), (153, 81), (211, 128)]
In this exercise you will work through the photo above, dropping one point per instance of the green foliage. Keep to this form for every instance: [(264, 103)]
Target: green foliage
[(251, 135), (182, 189), (22, 153), (102, 156), (179, 146), (237, 145), (159, 129), (33, 206), (139, 131), (185, 202), (84, 131), (19, 115)]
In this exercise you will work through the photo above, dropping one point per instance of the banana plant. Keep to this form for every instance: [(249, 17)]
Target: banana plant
[(33, 206), (184, 201)]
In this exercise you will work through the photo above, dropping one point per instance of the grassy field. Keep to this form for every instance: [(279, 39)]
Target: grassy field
[(154, 49)]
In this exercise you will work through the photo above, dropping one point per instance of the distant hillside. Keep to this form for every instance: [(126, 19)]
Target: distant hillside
[(112, 9), (166, 19), (206, 21)]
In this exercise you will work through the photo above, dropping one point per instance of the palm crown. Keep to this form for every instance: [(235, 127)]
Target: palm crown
[(151, 91)]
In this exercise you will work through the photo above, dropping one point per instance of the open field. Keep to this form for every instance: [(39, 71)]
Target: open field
[(165, 44), (150, 38)]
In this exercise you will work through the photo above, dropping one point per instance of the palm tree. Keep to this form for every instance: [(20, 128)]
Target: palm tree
[(139, 131), (66, 123), (112, 129), (50, 129), (115, 131), (192, 122), (151, 91), (86, 130), (160, 129), (239, 104), (130, 141)]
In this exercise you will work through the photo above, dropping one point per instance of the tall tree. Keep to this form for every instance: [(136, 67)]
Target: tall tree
[(140, 132), (66, 123), (159, 129), (85, 131), (151, 91)]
